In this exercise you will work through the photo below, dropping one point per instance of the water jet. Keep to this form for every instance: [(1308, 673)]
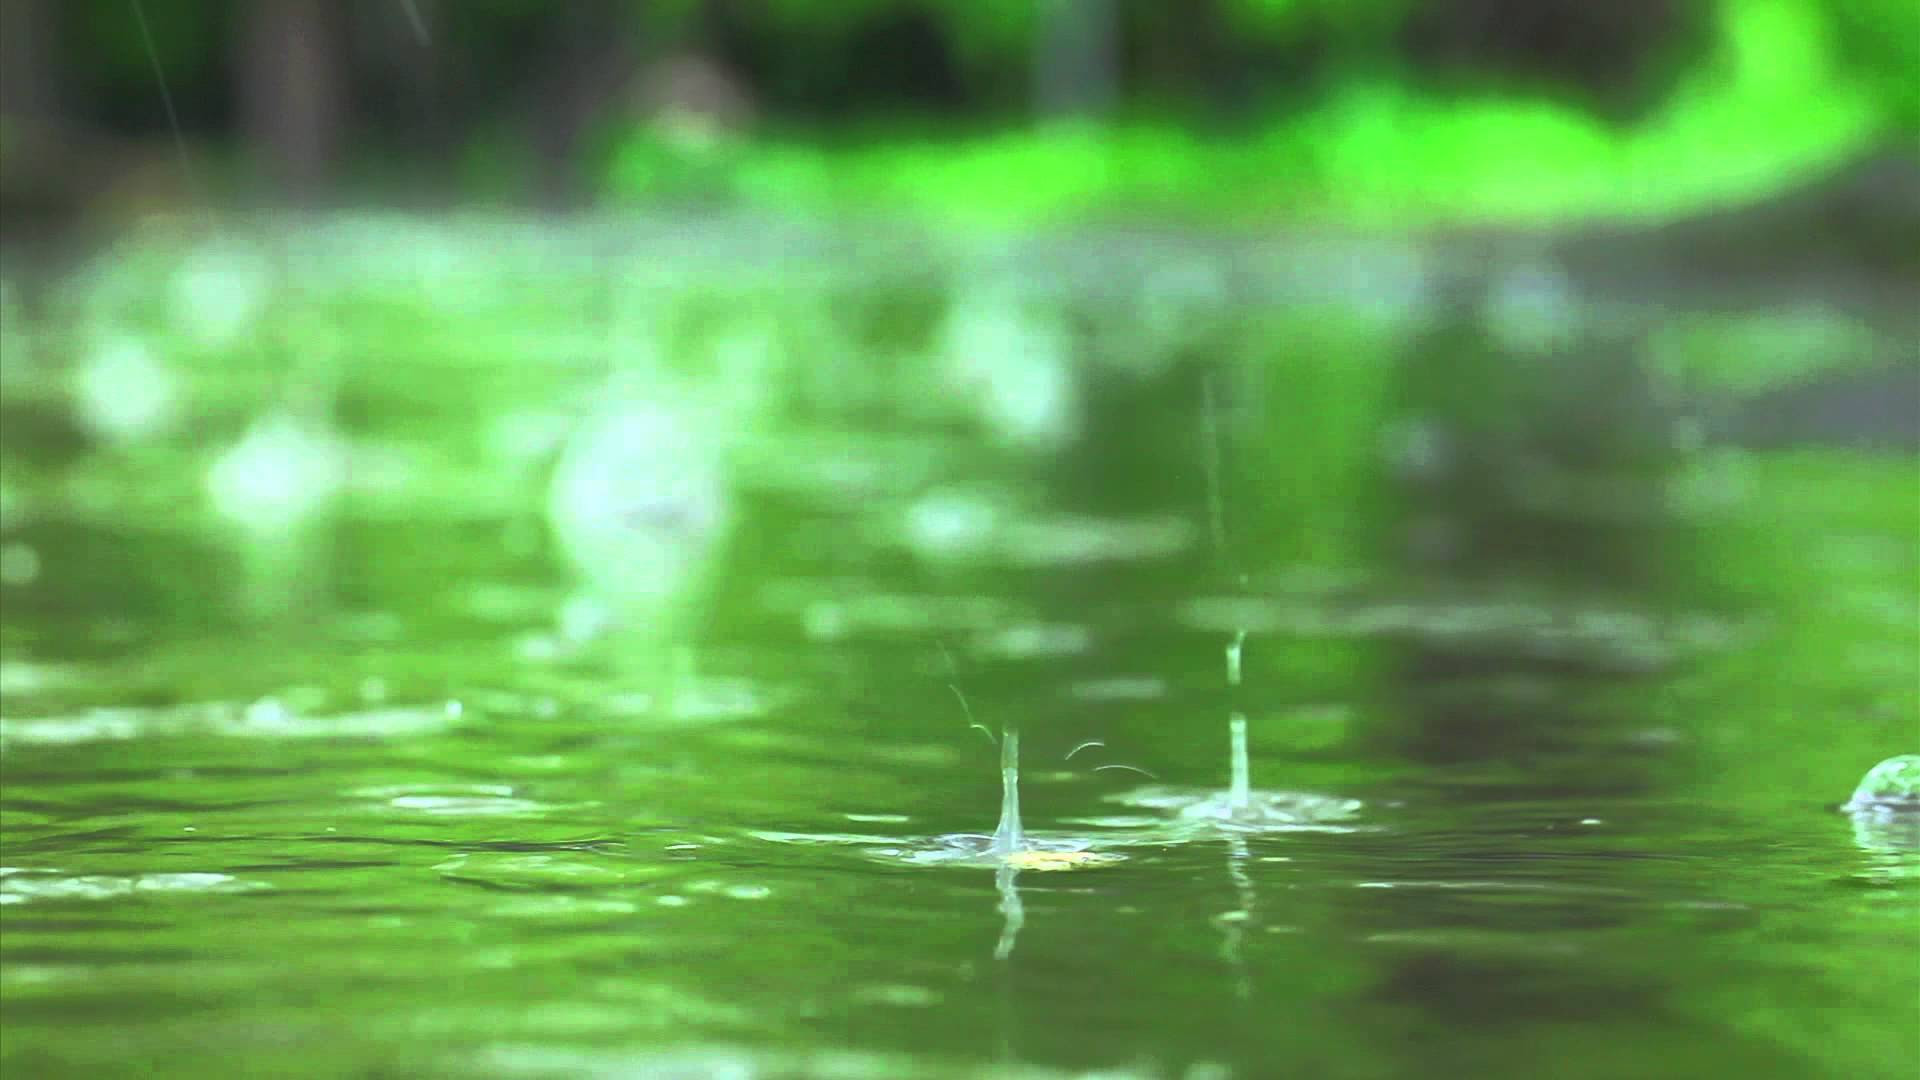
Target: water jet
[(1242, 807), (1239, 806), (1010, 845)]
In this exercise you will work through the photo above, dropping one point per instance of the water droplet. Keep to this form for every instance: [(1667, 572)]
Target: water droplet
[(1894, 784)]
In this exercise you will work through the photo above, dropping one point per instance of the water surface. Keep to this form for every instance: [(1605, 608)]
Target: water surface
[(336, 744)]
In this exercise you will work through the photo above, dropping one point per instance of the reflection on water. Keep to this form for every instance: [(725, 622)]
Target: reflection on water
[(640, 497), (18, 886), (1274, 811), (122, 392), (602, 731), (1012, 911)]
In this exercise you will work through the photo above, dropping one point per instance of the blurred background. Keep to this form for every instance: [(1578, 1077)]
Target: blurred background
[(1260, 112), (470, 469), (1407, 256)]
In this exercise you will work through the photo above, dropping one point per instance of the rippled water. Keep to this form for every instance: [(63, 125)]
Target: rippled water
[(1541, 788)]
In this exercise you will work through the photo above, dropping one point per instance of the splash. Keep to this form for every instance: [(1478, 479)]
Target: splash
[(1241, 807), (1893, 785), (1010, 846), (1239, 793), (1885, 809), (1008, 837)]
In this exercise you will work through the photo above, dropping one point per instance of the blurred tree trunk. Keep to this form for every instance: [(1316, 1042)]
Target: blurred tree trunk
[(401, 46), (30, 90), (293, 91), (591, 62), (1076, 58), (1190, 51)]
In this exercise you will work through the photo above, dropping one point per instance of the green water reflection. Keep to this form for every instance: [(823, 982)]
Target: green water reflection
[(335, 763)]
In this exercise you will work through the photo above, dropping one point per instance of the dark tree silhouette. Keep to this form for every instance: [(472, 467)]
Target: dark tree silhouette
[(292, 90)]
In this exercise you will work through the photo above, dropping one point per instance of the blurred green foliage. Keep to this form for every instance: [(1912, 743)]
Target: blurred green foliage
[(1778, 93), (1383, 112), (1879, 41)]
